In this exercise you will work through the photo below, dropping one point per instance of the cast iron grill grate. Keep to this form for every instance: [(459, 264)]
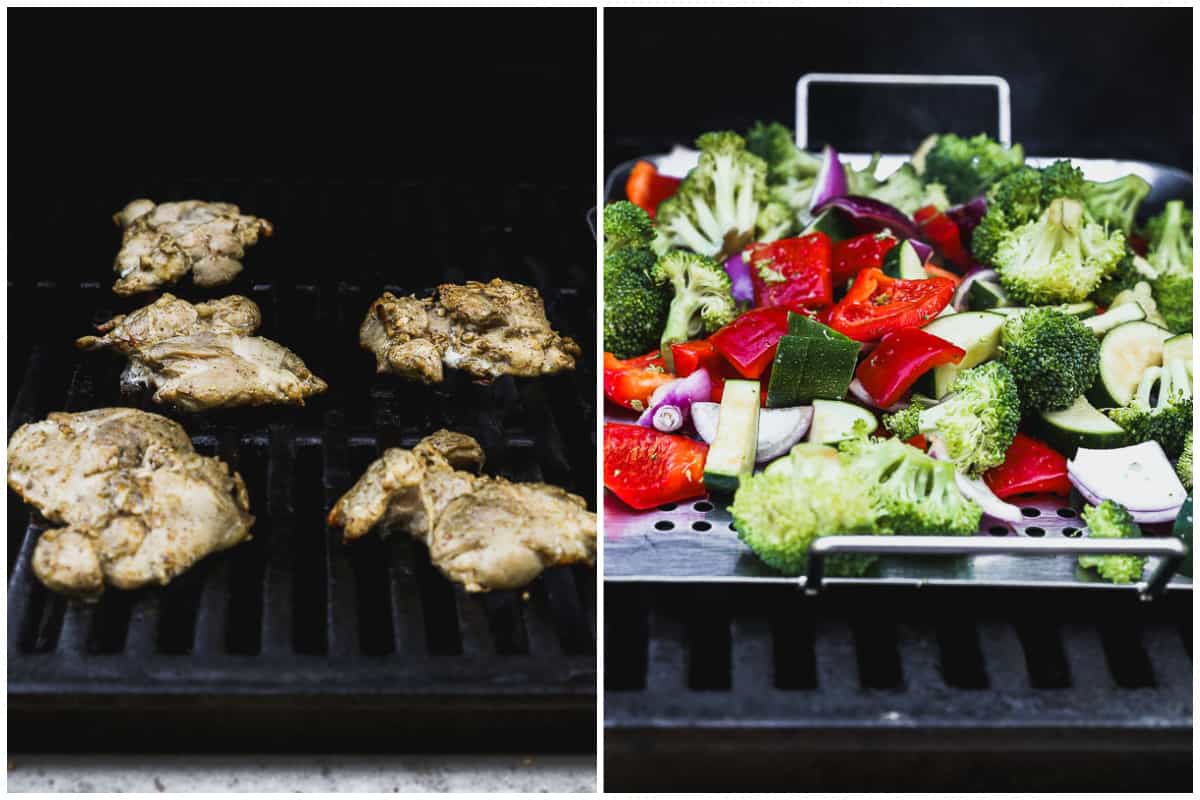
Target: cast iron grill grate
[(294, 611), (708, 669)]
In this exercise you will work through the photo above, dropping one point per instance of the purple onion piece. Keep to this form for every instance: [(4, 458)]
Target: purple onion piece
[(1144, 517), (967, 216), (742, 287), (924, 251), (976, 273), (976, 490), (830, 181), (862, 395), (671, 404), (872, 214)]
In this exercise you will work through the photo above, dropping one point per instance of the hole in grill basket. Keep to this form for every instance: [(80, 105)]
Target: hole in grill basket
[(998, 530), (1066, 513), (1126, 656), (1044, 656), (1035, 531), (1072, 533), (878, 657), (962, 660), (626, 638), (701, 525), (667, 507), (1031, 512), (664, 525), (703, 506)]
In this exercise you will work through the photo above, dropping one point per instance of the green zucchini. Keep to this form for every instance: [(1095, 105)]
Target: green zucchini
[(833, 224), (977, 332), (834, 420), (902, 261), (818, 364), (1178, 348), (732, 453), (1126, 352), (1103, 323), (1079, 425), (986, 295)]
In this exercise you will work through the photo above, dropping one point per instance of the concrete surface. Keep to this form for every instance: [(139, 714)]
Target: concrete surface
[(315, 773)]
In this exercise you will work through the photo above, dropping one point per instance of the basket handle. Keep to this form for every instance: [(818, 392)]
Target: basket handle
[(1004, 106), (1171, 550)]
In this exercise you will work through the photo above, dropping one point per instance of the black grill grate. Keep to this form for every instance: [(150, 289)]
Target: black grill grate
[(294, 612), (759, 686)]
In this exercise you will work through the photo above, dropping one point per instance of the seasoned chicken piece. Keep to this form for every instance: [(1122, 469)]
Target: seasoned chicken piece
[(483, 532), (202, 356), (485, 329), (136, 503), (162, 243)]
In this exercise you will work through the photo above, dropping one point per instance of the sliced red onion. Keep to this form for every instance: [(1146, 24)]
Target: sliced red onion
[(967, 216), (742, 286), (671, 403), (977, 273), (924, 251), (831, 180), (975, 489), (872, 215), (862, 395)]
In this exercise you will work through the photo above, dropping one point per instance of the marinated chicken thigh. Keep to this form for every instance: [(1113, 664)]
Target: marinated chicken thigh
[(136, 503), (483, 532), (485, 329), (162, 243), (202, 356)]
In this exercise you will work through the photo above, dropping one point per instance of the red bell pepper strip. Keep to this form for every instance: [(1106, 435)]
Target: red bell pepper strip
[(647, 468), (1029, 467), (647, 188), (792, 273), (700, 354), (899, 359), (877, 304), (630, 383), (852, 256), (942, 232), (749, 342), (934, 271)]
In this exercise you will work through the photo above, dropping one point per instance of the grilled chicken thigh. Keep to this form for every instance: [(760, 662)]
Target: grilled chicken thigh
[(483, 532), (162, 243), (485, 329), (203, 356), (136, 504)]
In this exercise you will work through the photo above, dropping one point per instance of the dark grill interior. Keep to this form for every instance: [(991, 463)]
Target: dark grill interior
[(294, 612), (758, 686)]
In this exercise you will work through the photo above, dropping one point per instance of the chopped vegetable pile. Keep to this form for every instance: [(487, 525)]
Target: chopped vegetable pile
[(828, 352)]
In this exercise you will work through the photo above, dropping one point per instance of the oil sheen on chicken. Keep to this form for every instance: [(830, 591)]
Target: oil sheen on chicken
[(132, 502), (485, 329), (483, 532), (162, 243), (203, 356)]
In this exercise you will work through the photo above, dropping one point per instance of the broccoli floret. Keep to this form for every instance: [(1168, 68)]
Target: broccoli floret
[(1161, 409), (862, 181), (1183, 465), (1059, 258), (1110, 520), (1116, 203), (715, 210), (1061, 179), (626, 226), (775, 221), (1131, 270), (967, 167), (780, 511), (635, 307), (1019, 198), (1053, 357), (773, 143), (905, 190), (702, 301), (976, 421), (1170, 236), (914, 493)]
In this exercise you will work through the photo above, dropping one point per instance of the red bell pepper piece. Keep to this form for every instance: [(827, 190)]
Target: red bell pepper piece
[(942, 232), (792, 273), (899, 359), (646, 468), (700, 354), (647, 188), (749, 342), (852, 256), (630, 383), (934, 271), (1029, 467), (877, 304)]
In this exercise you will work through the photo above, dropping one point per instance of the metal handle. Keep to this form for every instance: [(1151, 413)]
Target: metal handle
[(1004, 134), (1171, 550)]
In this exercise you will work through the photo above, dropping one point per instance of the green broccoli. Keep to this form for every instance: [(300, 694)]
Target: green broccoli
[(905, 190), (1061, 179), (1110, 520), (773, 143), (626, 226), (780, 511), (862, 181), (976, 421), (1059, 258), (715, 210), (967, 167), (914, 493), (1161, 409), (1183, 465), (1131, 270), (775, 221), (1170, 236), (702, 301), (1053, 357), (1116, 202)]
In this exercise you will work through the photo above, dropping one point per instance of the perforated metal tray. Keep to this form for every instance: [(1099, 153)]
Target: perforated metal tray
[(695, 541)]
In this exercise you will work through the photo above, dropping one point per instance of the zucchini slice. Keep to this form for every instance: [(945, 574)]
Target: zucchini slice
[(1078, 425), (732, 454), (1178, 348), (834, 420), (977, 332), (1103, 323), (1126, 352)]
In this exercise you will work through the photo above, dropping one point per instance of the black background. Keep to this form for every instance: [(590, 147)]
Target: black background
[(1113, 83)]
